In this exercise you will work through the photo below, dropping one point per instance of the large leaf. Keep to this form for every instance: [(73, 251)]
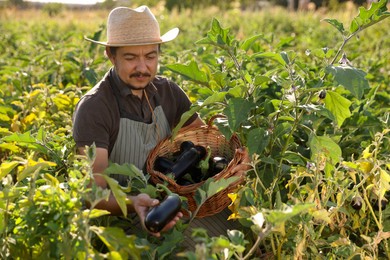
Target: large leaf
[(257, 140), (126, 169), (7, 167), (212, 187), (324, 148), (120, 196), (237, 112), (217, 35), (278, 57), (216, 97), (117, 240), (351, 78), (366, 18), (171, 240), (184, 117), (337, 24), (338, 106), (191, 72), (279, 216), (246, 44), (26, 140)]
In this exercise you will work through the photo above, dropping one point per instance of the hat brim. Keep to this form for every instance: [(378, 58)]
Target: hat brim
[(169, 36)]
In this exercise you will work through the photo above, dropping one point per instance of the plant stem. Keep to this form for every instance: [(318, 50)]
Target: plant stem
[(258, 240), (346, 39)]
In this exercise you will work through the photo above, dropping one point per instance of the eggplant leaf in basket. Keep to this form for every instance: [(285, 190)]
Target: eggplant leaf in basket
[(204, 164), (212, 187)]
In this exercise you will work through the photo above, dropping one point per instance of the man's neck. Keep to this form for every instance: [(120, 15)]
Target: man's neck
[(137, 92)]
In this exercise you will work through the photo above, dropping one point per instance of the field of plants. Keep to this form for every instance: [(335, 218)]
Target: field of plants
[(308, 93)]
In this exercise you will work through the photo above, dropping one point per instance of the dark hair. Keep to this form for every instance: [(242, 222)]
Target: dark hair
[(113, 49)]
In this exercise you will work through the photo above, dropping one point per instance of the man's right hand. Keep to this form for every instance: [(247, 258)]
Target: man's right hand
[(142, 204)]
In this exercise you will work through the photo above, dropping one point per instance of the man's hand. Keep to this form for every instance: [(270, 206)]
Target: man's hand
[(142, 204)]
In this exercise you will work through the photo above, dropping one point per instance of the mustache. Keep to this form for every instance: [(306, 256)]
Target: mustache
[(139, 74)]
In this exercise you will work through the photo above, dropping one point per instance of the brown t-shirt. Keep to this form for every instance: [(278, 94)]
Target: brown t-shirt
[(96, 118)]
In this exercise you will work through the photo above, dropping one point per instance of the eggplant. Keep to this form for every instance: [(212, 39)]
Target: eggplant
[(322, 94), (163, 165), (357, 202), (186, 145), (186, 160), (159, 216), (379, 204), (218, 164)]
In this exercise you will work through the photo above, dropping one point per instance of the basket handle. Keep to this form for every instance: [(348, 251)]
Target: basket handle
[(211, 120)]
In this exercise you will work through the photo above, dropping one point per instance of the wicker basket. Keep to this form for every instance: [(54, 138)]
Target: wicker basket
[(207, 135)]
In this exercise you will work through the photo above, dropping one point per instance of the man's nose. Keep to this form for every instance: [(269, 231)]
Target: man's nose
[(141, 65)]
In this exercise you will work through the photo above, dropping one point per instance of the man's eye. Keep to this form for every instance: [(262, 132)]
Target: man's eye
[(151, 57)]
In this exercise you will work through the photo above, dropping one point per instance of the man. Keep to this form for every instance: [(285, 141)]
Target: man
[(131, 109)]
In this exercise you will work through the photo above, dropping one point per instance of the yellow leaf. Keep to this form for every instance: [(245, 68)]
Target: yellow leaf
[(233, 216), (34, 93), (29, 119), (350, 165), (18, 104), (4, 117), (323, 215), (342, 241), (232, 196), (384, 182), (365, 166), (366, 153), (339, 198), (7, 167)]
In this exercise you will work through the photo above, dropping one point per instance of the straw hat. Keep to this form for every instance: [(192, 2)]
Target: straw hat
[(131, 27)]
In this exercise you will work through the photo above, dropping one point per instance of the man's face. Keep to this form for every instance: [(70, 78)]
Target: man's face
[(136, 65)]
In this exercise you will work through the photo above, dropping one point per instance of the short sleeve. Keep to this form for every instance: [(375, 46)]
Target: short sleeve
[(91, 123)]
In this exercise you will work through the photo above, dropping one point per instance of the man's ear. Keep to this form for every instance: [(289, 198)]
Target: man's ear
[(110, 55)]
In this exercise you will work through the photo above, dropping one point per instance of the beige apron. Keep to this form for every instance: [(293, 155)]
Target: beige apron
[(136, 140)]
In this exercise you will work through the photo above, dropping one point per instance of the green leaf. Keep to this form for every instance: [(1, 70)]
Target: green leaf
[(257, 140), (338, 106), (273, 56), (191, 72), (95, 213), (200, 196), (120, 196), (237, 112), (217, 35), (324, 147), (116, 240), (294, 158), (259, 79), (279, 216), (367, 17), (216, 97), (220, 185), (126, 169), (246, 45), (171, 240), (20, 138), (351, 78), (184, 117), (211, 187), (337, 24)]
